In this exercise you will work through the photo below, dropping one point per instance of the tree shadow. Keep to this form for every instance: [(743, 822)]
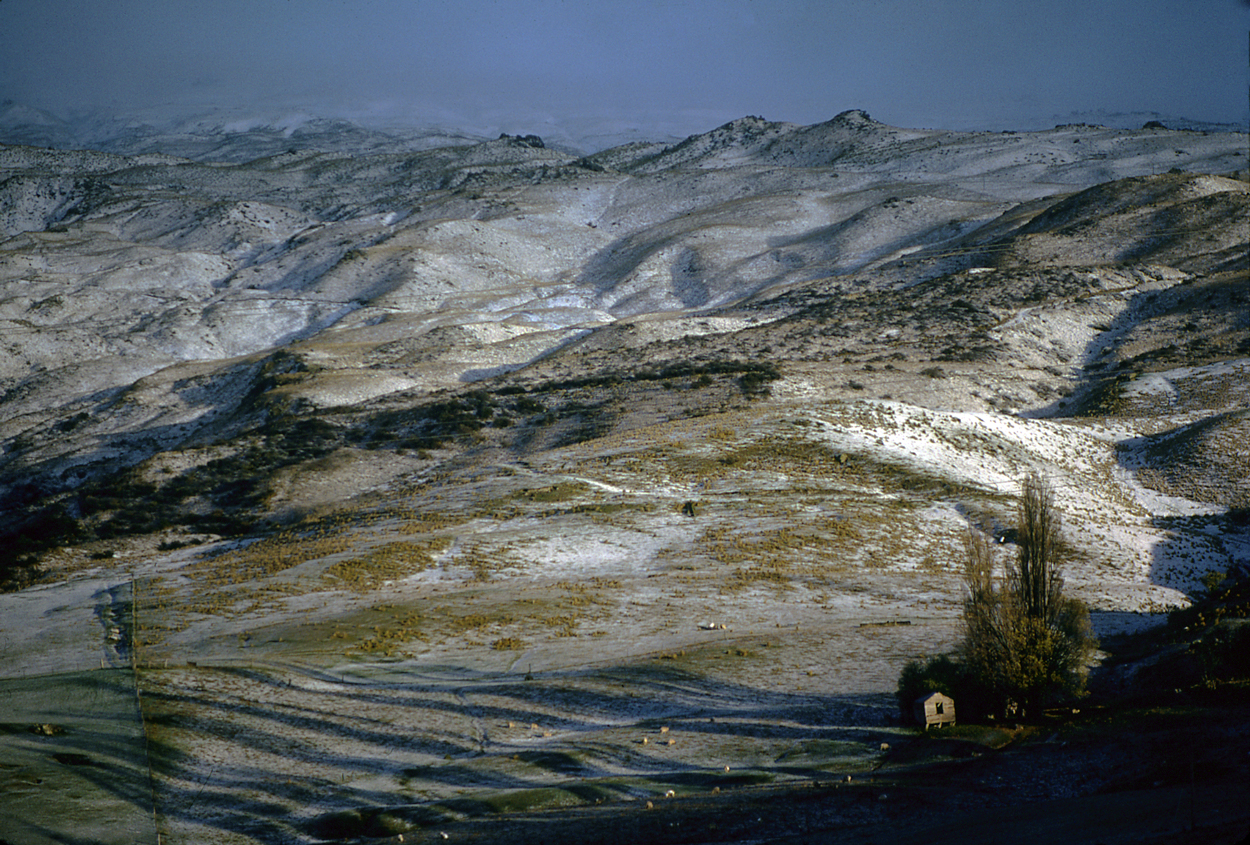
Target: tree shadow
[(290, 739), (84, 764)]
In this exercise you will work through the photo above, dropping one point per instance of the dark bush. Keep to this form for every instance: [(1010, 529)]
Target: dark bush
[(1223, 653), (755, 383), (526, 405), (947, 676)]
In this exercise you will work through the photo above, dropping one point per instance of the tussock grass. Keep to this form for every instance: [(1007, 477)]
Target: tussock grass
[(388, 562), (792, 456), (271, 555)]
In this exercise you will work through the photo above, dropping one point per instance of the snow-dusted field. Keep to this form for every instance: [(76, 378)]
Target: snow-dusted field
[(621, 566), (560, 629)]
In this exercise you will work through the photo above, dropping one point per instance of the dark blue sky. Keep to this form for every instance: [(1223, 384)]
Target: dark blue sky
[(675, 66)]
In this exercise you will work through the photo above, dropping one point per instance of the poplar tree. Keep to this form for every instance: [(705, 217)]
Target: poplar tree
[(1024, 640)]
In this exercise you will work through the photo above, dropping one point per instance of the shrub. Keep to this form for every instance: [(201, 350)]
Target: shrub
[(755, 382), (1223, 653)]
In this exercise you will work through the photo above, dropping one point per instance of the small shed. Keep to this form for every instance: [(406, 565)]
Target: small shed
[(934, 708)]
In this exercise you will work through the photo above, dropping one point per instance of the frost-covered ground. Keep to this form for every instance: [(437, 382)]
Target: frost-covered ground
[(620, 566), (559, 632)]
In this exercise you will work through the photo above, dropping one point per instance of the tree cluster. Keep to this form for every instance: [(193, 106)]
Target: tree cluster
[(1025, 643)]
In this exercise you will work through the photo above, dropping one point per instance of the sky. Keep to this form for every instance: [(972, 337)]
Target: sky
[(661, 66)]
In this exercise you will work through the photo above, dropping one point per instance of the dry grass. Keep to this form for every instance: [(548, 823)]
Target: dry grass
[(388, 562), (271, 555)]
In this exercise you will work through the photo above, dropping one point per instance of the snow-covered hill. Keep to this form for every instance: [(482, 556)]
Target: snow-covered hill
[(324, 411)]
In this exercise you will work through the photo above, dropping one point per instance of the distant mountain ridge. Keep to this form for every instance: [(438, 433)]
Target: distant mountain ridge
[(225, 135), (216, 136)]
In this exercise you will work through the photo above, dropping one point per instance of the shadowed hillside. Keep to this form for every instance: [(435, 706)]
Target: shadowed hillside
[(481, 478)]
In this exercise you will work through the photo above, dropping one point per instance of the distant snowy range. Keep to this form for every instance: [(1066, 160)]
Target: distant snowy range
[(218, 133), (213, 134)]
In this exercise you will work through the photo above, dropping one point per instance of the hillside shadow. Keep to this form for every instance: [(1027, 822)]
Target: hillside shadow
[(342, 746), (624, 255), (1098, 385), (216, 401), (1192, 538), (81, 768)]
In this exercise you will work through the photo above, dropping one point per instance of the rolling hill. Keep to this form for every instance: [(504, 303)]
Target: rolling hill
[(458, 470)]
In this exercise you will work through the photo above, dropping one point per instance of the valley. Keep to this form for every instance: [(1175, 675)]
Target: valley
[(353, 495)]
